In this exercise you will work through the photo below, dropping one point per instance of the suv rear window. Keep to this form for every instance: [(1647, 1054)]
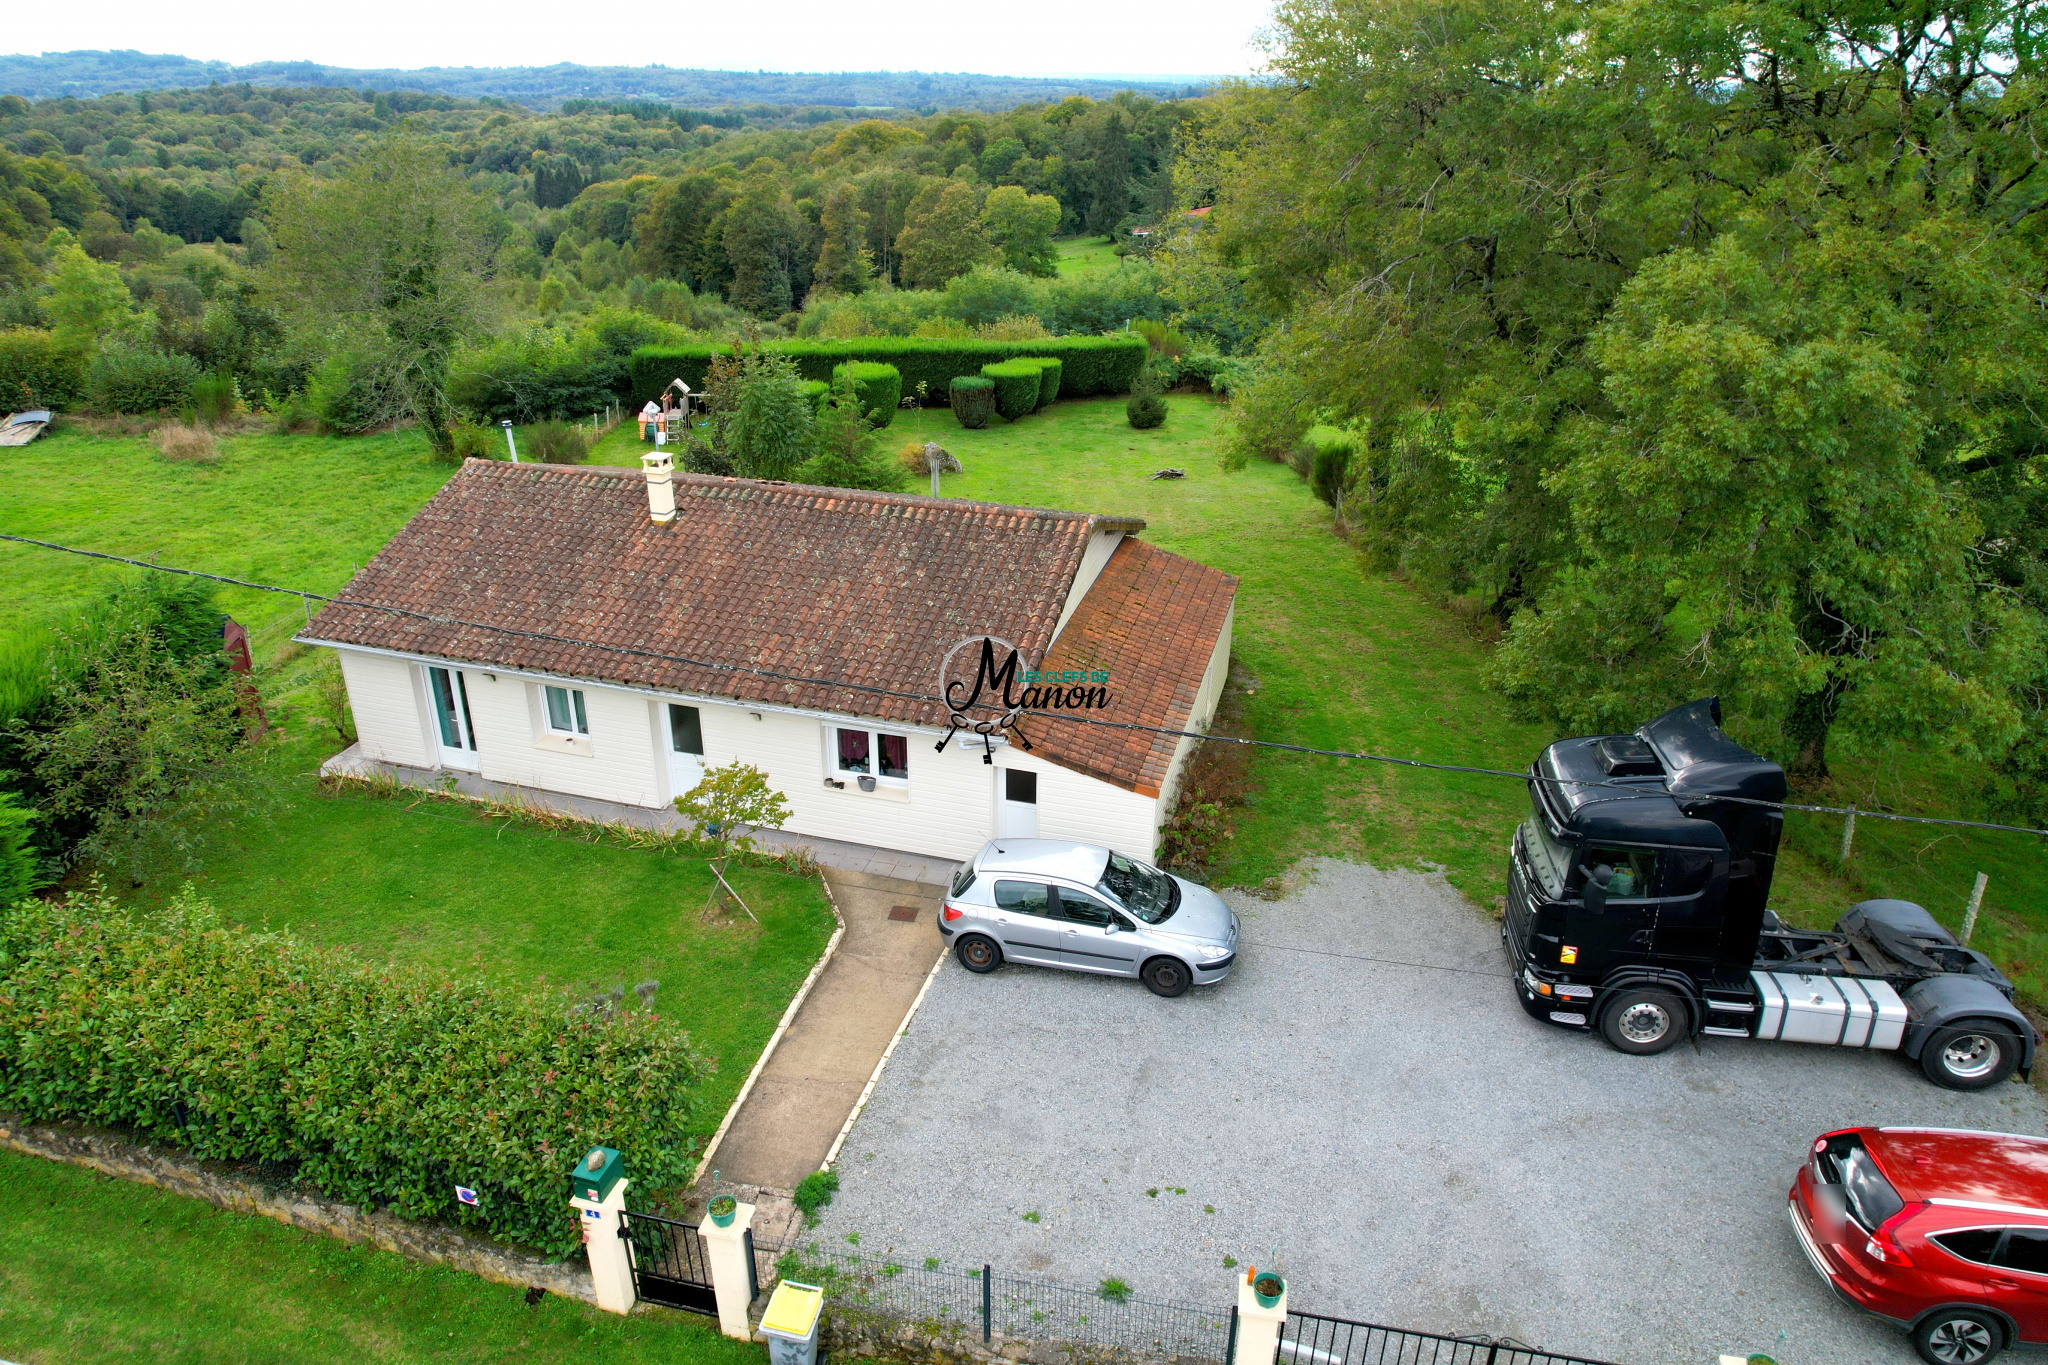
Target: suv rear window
[(1971, 1244), (1871, 1197), (962, 879)]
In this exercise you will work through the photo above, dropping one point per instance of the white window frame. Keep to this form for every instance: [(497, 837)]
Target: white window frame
[(572, 704), (874, 734)]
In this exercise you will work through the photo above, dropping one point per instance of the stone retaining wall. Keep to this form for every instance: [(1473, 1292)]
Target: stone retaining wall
[(224, 1187)]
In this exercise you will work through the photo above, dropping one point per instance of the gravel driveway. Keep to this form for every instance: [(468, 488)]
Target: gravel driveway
[(1365, 1099)]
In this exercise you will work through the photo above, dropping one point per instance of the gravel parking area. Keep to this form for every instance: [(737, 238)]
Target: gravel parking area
[(1364, 1105)]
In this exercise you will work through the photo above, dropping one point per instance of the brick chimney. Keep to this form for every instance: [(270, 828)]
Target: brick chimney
[(661, 491)]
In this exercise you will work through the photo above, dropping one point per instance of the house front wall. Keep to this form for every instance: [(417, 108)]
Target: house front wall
[(946, 809)]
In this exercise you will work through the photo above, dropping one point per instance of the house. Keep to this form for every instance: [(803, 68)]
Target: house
[(608, 633)]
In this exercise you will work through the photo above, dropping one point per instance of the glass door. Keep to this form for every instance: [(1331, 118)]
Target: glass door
[(452, 726), (685, 749)]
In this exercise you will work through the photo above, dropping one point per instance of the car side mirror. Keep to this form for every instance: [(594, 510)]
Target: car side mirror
[(1109, 928), (1596, 895)]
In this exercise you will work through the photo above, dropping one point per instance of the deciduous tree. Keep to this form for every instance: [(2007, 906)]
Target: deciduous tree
[(1020, 226), (942, 236)]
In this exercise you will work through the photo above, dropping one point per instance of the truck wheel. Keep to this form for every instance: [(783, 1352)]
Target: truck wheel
[(1958, 1336), (1972, 1055), (1644, 1020)]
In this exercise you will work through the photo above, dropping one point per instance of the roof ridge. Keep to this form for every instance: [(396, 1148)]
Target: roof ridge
[(1104, 520)]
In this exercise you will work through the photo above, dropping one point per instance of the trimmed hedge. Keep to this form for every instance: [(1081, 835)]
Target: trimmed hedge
[(1016, 384), (1091, 365), (37, 372), (817, 390), (973, 399), (382, 1084), (1048, 379), (877, 388)]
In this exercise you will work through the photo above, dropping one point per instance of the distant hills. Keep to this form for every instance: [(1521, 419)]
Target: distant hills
[(87, 74)]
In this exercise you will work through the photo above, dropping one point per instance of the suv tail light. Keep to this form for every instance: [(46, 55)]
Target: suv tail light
[(949, 913), (1883, 1244)]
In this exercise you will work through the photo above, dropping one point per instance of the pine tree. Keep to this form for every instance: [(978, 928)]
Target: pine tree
[(844, 263), (1112, 178)]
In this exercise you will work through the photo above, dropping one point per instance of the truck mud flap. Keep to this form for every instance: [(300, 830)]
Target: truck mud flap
[(1833, 1011)]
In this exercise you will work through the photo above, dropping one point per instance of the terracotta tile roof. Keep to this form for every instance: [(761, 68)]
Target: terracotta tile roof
[(1152, 620), (826, 584)]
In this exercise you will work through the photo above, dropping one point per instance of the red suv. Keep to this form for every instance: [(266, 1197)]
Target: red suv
[(1940, 1231)]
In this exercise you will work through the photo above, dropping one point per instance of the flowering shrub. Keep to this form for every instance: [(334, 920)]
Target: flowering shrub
[(385, 1085)]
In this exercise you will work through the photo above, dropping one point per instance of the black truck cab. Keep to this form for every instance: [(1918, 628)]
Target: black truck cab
[(1637, 905)]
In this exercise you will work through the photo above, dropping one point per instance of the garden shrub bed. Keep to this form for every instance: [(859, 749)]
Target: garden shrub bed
[(385, 1086), (1017, 386), (1089, 365)]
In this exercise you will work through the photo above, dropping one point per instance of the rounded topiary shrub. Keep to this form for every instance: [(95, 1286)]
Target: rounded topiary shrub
[(1146, 410), (877, 387), (974, 400), (815, 391), (1016, 386), (1048, 379)]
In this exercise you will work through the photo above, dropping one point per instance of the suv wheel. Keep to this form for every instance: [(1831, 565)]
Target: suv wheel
[(1167, 976), (1644, 1020), (1973, 1055), (978, 953), (1958, 1336)]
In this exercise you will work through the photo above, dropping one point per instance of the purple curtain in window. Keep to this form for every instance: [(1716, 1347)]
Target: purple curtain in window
[(853, 751), (895, 755)]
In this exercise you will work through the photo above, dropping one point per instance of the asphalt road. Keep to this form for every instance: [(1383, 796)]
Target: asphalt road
[(1364, 1105)]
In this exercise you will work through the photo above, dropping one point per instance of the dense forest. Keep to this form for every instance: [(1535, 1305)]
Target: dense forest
[(84, 75)]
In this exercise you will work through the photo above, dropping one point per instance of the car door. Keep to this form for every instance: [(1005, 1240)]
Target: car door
[(1093, 937), (2019, 1280), (1621, 930), (1025, 923)]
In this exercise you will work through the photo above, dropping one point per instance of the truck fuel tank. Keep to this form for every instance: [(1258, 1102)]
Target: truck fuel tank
[(1841, 1011)]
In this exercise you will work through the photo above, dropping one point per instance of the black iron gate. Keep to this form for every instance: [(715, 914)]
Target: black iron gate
[(669, 1266), (1309, 1339)]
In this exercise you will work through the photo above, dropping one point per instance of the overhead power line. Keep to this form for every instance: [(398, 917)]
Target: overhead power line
[(1633, 788)]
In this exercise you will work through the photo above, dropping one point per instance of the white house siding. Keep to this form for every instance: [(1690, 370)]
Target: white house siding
[(1075, 806), (391, 723), (1206, 701), (615, 762)]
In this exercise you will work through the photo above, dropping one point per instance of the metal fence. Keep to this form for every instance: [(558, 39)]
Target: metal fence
[(980, 1303), (1308, 1339)]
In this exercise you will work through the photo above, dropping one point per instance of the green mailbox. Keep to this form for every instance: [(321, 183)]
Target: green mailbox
[(594, 1174)]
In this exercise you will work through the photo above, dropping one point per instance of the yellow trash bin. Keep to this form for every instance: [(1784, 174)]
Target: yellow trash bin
[(791, 1323)]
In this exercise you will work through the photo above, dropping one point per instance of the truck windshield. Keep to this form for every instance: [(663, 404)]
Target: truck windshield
[(1550, 858)]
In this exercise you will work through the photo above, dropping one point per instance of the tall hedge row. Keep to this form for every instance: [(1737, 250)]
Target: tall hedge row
[(1050, 370), (37, 371), (386, 1085), (1090, 365)]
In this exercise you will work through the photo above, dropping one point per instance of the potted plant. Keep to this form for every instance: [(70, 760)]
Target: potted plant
[(1268, 1288), (723, 1208)]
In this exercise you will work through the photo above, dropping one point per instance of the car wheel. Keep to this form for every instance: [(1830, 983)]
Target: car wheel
[(1973, 1055), (1958, 1336), (1167, 976), (1644, 1020), (978, 953)]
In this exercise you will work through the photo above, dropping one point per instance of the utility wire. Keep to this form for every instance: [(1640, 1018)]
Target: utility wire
[(1633, 788)]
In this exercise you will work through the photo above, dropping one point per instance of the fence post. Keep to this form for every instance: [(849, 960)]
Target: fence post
[(597, 1191), (1848, 835), (987, 1274), (725, 1254), (1258, 1327), (1230, 1342), (1976, 904)]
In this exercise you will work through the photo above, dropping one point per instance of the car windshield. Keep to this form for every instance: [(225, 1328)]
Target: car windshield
[(1871, 1197), (1146, 892), (1550, 858)]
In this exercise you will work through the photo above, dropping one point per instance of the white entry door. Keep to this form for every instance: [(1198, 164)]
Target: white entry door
[(1016, 804), (450, 698), (685, 749)]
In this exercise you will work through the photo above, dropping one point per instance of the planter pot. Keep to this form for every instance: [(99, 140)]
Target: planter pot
[(1267, 1289), (723, 1210), (867, 784)]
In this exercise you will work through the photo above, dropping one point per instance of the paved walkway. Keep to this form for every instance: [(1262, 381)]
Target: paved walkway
[(807, 1092), (832, 853)]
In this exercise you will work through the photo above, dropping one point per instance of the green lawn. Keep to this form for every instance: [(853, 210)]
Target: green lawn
[(1086, 255), (428, 880), (104, 1270)]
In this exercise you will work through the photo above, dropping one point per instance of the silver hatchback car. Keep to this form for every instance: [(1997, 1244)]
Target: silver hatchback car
[(1057, 904)]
